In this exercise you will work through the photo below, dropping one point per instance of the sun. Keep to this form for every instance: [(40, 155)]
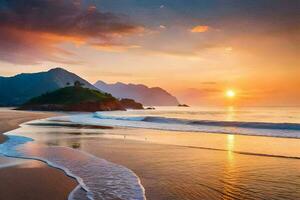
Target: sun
[(230, 94)]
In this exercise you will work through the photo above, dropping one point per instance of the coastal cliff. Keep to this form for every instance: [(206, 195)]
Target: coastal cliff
[(131, 104)]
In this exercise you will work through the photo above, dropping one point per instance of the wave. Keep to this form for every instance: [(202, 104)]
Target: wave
[(98, 178), (213, 148), (238, 124)]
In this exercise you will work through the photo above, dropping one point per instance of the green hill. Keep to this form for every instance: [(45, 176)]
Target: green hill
[(77, 98), (71, 95), (17, 90)]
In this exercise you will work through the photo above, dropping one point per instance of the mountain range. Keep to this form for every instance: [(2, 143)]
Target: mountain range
[(18, 89), (154, 96)]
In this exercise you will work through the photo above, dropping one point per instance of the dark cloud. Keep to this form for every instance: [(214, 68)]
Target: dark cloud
[(31, 30)]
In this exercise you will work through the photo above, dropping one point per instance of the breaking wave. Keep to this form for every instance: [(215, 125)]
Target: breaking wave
[(98, 179), (291, 130)]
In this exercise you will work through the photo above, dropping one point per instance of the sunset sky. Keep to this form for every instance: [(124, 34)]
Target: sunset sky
[(195, 49)]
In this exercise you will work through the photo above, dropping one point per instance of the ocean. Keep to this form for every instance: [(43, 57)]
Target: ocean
[(226, 152), (263, 121)]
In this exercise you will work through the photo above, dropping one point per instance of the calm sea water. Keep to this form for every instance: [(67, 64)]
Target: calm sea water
[(174, 153)]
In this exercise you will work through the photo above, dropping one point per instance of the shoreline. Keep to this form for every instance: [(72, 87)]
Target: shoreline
[(31, 175), (2, 138), (11, 119), (197, 173), (35, 176)]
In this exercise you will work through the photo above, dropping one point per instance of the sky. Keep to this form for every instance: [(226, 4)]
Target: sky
[(195, 49)]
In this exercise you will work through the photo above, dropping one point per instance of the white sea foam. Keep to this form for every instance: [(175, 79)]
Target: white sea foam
[(98, 178), (272, 129)]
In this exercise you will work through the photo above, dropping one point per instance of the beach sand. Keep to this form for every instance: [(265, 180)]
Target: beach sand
[(10, 119), (32, 180), (2, 138), (35, 181), (170, 172)]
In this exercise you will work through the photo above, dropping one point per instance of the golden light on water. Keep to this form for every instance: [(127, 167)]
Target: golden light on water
[(230, 147), (230, 142)]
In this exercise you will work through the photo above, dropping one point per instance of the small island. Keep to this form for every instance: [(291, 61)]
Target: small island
[(131, 104), (150, 108), (183, 105), (78, 98)]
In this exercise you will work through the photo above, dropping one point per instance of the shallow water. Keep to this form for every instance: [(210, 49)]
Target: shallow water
[(98, 178), (170, 164), (174, 172)]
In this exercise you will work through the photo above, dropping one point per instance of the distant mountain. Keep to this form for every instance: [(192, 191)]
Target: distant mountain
[(18, 89), (147, 96)]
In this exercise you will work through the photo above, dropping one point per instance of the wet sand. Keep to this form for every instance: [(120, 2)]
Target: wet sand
[(32, 180), (10, 119), (35, 181), (2, 138), (170, 172)]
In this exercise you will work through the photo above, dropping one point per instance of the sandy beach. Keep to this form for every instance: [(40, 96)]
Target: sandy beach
[(167, 172), (35, 181), (170, 172), (32, 176), (11, 119)]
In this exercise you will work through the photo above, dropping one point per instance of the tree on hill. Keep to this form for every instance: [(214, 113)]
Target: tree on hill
[(78, 84), (77, 98)]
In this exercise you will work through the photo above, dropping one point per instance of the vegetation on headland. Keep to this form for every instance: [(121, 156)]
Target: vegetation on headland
[(16, 90), (131, 104), (78, 98)]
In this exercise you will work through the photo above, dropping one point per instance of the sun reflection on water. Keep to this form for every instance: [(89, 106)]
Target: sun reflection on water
[(230, 142), (230, 147), (229, 178)]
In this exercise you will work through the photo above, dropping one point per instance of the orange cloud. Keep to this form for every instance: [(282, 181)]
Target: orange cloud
[(26, 47), (199, 29), (116, 48)]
